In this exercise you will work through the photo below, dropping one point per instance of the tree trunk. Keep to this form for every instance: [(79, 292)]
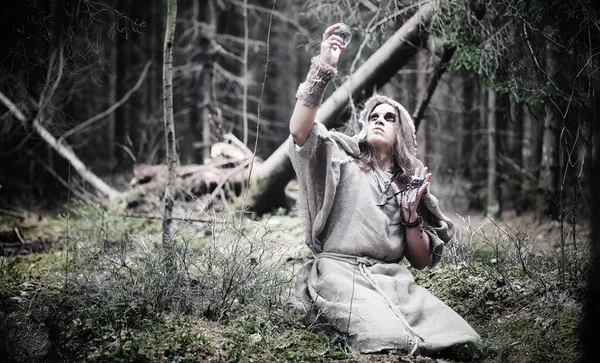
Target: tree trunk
[(277, 170), (549, 173), (423, 93), (527, 161), (469, 92), (477, 154), (154, 82), (206, 77), (121, 67), (112, 50), (245, 76), (493, 202), (591, 317), (438, 72), (206, 82), (168, 120), (469, 140), (516, 153)]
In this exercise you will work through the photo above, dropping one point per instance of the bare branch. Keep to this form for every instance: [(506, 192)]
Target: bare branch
[(64, 150), (523, 171), (111, 109), (230, 76), (372, 26), (364, 42), (369, 5), (227, 176)]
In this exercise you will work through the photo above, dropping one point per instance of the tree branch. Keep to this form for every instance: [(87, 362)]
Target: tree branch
[(110, 110), (62, 149)]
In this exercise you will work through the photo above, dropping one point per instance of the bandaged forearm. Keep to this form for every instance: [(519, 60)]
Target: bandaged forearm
[(311, 91)]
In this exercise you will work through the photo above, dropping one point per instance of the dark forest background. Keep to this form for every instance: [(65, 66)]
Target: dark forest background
[(504, 94), (508, 127)]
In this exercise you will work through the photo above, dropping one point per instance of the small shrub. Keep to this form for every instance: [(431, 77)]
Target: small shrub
[(116, 282), (513, 293)]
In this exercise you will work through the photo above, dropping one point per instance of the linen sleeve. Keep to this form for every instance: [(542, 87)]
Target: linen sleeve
[(318, 177), (439, 229)]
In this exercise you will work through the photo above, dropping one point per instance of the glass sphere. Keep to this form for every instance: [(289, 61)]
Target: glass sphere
[(343, 31)]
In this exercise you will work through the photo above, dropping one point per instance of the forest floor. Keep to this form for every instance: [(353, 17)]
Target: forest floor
[(86, 285)]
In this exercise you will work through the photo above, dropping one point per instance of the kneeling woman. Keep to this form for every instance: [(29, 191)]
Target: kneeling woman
[(366, 206)]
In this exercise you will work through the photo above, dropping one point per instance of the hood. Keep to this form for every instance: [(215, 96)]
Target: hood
[(407, 126)]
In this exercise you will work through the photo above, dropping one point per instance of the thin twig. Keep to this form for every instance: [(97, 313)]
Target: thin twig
[(18, 147), (19, 235), (262, 91), (369, 5), (160, 217), (363, 43)]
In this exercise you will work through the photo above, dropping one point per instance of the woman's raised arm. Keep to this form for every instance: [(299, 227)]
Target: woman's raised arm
[(310, 92)]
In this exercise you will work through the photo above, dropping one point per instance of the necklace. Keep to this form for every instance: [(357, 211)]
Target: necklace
[(383, 185)]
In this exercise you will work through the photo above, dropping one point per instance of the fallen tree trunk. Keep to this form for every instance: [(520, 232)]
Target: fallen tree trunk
[(62, 149), (274, 174), (206, 186), (222, 177), (189, 179)]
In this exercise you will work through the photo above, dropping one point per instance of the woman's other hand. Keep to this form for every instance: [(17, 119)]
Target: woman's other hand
[(409, 199), (331, 46)]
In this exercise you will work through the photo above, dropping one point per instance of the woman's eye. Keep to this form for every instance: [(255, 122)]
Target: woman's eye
[(390, 119)]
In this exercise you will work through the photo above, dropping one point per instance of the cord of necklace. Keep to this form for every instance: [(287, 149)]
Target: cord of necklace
[(381, 180)]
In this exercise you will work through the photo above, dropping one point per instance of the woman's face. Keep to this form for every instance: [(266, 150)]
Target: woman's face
[(382, 125)]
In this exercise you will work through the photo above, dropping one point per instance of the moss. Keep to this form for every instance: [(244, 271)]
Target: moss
[(301, 345), (522, 316), (35, 266), (524, 340), (32, 226)]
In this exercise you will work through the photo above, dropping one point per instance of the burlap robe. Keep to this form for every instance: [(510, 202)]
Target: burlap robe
[(355, 282)]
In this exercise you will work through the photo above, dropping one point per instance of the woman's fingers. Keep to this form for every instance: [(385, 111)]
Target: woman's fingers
[(426, 182), (333, 42), (331, 46), (336, 41), (403, 197), (423, 188), (327, 33)]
